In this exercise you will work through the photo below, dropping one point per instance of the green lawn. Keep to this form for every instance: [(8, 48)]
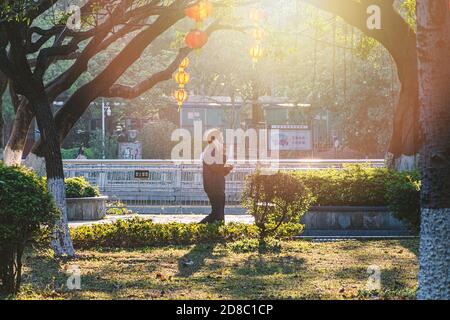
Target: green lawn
[(301, 270)]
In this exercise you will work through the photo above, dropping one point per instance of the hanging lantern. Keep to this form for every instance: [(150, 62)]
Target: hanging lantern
[(181, 96), (184, 64), (256, 53), (182, 78), (200, 11), (196, 39)]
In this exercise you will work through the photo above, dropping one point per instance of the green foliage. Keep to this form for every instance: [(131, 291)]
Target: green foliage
[(408, 11), (17, 11), (156, 140), (26, 206), (96, 146), (255, 245), (137, 233), (276, 201), (403, 197), (354, 185), (117, 208), (72, 153), (79, 187)]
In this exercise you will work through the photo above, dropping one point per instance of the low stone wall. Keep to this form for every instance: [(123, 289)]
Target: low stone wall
[(347, 221), (86, 209)]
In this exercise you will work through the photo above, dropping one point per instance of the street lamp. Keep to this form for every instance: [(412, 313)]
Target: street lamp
[(106, 112)]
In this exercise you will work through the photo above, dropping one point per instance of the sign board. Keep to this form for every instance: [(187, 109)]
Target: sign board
[(290, 140), (142, 174)]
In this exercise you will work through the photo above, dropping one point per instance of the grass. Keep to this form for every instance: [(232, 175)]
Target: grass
[(300, 270)]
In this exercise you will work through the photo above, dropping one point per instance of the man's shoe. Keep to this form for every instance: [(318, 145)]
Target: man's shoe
[(208, 219)]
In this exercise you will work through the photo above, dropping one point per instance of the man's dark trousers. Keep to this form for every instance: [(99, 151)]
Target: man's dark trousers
[(214, 185)]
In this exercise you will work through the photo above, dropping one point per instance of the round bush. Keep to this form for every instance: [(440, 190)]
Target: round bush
[(277, 202), (79, 187), (26, 206)]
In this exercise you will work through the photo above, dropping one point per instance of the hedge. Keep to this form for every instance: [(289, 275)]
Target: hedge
[(354, 185), (359, 185), (137, 233)]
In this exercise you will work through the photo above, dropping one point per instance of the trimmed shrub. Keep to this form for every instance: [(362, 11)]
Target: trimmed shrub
[(79, 187), (277, 200), (357, 185), (136, 233), (354, 185), (26, 206)]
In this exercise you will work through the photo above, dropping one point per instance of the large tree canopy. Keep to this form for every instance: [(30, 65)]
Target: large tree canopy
[(399, 38)]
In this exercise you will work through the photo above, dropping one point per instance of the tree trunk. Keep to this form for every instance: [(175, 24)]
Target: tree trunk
[(405, 142), (3, 85), (433, 43), (61, 241), (16, 142)]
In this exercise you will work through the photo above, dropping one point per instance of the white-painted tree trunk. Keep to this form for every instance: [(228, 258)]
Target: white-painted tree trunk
[(433, 44), (434, 276), (406, 163), (12, 157), (403, 163), (61, 241)]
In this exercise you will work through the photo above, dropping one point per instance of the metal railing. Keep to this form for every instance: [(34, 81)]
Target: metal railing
[(177, 187)]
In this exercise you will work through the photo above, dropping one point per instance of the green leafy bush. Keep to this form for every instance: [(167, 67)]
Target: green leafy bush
[(135, 233), (354, 185), (79, 187), (26, 206), (403, 198), (275, 201), (117, 208)]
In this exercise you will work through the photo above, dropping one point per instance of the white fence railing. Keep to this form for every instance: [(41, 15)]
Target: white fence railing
[(150, 186)]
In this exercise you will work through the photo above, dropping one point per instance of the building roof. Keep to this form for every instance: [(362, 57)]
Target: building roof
[(195, 101)]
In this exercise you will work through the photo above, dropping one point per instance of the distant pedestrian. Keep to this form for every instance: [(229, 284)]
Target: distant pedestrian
[(215, 170), (81, 155)]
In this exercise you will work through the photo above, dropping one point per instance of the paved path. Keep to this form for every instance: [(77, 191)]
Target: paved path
[(183, 218)]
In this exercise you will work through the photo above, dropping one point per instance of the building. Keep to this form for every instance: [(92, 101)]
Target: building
[(300, 133)]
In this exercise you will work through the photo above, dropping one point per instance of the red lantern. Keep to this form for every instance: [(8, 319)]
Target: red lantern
[(196, 39), (200, 11)]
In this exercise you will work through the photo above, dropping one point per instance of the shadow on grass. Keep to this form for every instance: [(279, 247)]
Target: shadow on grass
[(40, 273), (261, 265), (391, 279), (411, 245), (194, 260)]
